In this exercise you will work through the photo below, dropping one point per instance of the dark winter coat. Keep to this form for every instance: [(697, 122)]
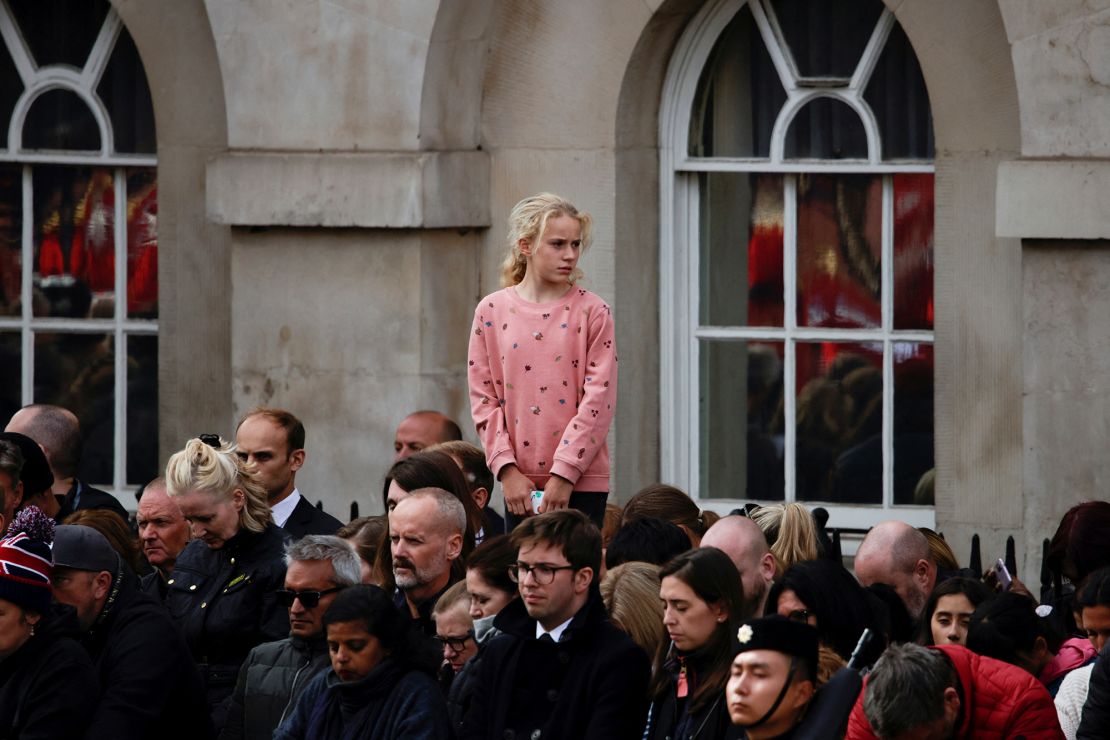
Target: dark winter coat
[(392, 703), (226, 604), (307, 519), (270, 681), (1095, 721), (592, 685), (48, 687), (668, 721), (465, 682), (150, 686), (82, 496)]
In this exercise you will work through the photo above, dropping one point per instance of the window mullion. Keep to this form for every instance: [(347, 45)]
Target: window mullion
[(120, 339), (692, 234), (790, 323), (887, 303), (27, 338)]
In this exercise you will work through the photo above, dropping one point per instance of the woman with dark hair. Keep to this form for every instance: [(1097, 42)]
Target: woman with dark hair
[(491, 590), (118, 534), (1011, 628), (670, 504), (426, 469), (1093, 605), (703, 603), (382, 679), (822, 593), (947, 613)]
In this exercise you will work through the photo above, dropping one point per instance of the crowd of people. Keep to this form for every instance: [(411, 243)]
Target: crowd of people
[(230, 607)]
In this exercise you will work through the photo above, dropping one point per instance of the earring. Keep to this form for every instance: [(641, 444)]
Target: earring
[(32, 630)]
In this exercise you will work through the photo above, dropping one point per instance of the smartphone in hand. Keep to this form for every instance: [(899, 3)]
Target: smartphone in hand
[(1002, 573)]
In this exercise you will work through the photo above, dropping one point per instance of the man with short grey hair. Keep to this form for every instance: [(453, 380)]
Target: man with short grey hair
[(898, 555), (275, 673), (426, 537), (948, 691)]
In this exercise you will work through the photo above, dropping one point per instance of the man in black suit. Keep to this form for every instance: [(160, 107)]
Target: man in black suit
[(273, 440), (58, 433)]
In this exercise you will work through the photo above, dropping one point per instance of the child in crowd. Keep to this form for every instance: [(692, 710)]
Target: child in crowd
[(543, 367)]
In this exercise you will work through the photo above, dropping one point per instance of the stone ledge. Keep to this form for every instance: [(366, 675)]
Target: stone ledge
[(1053, 200), (398, 190)]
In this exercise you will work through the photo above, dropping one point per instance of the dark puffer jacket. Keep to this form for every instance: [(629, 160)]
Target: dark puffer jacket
[(667, 720), (151, 687), (591, 685), (226, 604), (48, 687), (270, 681), (393, 702)]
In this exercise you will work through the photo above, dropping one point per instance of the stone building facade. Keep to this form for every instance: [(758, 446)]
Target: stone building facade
[(334, 178)]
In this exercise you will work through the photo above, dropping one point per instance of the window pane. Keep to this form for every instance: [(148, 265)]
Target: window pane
[(142, 244), (913, 423), (11, 374), (74, 242), (125, 93), (839, 422), (11, 87), (78, 371), (741, 249), (913, 251), (827, 39), (739, 95), (11, 233), (741, 399), (839, 248), (59, 32), (60, 120), (826, 129), (142, 409), (897, 96)]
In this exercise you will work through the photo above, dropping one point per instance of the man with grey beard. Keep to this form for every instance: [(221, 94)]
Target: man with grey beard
[(425, 536)]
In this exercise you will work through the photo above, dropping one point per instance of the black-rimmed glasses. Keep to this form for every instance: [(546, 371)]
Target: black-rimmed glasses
[(458, 644), (542, 573), (309, 599)]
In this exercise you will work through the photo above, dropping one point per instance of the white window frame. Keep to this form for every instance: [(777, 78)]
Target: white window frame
[(681, 333), (82, 82)]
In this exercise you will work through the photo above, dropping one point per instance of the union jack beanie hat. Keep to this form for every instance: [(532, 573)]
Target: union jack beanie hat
[(26, 566)]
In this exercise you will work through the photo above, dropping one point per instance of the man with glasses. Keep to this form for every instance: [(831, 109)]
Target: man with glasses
[(561, 670), (274, 674)]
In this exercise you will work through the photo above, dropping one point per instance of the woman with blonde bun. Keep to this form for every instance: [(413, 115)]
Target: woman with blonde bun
[(224, 590)]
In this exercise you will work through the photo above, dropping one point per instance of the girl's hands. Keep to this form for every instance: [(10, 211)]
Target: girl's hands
[(517, 488), (556, 494)]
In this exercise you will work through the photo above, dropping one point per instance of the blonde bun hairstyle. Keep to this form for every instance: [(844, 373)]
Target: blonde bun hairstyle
[(528, 221), (219, 471)]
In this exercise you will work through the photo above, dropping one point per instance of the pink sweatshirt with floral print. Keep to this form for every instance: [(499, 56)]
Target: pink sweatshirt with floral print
[(543, 385)]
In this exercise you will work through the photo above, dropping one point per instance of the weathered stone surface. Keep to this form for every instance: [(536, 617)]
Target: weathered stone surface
[(1054, 200), (392, 190)]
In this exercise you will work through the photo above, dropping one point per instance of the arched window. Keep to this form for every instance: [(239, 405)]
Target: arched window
[(797, 260), (79, 225)]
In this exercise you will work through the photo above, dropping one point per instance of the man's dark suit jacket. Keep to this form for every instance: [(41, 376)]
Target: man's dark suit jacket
[(307, 519)]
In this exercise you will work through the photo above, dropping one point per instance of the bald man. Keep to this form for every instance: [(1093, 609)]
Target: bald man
[(422, 429), (58, 432), (897, 554), (744, 542)]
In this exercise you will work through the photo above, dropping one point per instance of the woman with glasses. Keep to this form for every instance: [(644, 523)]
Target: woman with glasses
[(703, 602), (381, 684), (223, 592), (825, 595)]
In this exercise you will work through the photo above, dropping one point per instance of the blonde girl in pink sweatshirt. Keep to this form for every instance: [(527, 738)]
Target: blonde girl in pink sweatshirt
[(543, 367)]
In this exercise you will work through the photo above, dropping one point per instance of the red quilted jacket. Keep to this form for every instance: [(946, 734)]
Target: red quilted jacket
[(999, 701)]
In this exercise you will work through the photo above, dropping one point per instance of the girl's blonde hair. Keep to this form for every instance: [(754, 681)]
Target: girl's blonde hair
[(528, 221), (219, 471), (631, 595), (790, 532)]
